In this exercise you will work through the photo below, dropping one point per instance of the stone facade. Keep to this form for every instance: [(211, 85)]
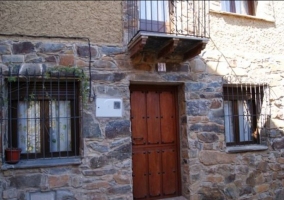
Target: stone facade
[(208, 171)]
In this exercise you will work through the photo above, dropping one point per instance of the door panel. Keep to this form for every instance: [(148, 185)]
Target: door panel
[(140, 174), (154, 142), (153, 118), (138, 117), (154, 173), (169, 171), (167, 117)]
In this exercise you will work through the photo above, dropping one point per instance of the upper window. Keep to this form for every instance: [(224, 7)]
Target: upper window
[(242, 109), (241, 7), (43, 116), (154, 15)]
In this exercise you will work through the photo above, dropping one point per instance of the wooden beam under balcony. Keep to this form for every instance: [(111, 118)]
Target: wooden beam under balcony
[(195, 50), (138, 46), (168, 48)]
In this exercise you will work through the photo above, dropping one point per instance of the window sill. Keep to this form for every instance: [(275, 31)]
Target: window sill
[(50, 162), (246, 148), (242, 15)]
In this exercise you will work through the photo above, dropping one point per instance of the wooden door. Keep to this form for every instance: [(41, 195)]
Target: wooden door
[(154, 142)]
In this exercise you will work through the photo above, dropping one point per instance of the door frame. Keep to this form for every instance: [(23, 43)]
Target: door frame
[(175, 88)]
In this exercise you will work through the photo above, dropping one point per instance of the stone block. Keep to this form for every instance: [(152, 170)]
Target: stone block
[(210, 193), (5, 49), (214, 158), (98, 172), (121, 153), (232, 191), (90, 128), (194, 86), (33, 58), (278, 143), (117, 129), (274, 166), (26, 181), (23, 48), (96, 185), (120, 190), (215, 179), (121, 179), (207, 137), (66, 60), (50, 59), (13, 58), (64, 195), (81, 63), (112, 50), (86, 52), (10, 193), (279, 194), (197, 65), (177, 77), (98, 162), (76, 182), (280, 160), (206, 128), (41, 196), (105, 64), (98, 147), (198, 107), (58, 181), (50, 47), (261, 188), (112, 77)]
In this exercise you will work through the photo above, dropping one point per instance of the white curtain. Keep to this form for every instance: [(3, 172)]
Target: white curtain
[(154, 10), (60, 126), (245, 121), (29, 126), (240, 6), (228, 121)]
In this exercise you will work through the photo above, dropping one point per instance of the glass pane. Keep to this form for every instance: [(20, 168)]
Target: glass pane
[(239, 6), (228, 121), (154, 10), (245, 120), (28, 126), (225, 5), (60, 126)]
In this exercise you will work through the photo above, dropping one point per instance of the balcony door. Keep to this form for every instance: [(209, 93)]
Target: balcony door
[(154, 15)]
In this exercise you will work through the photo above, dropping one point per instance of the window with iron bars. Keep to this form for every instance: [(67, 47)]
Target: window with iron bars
[(244, 118), (43, 115)]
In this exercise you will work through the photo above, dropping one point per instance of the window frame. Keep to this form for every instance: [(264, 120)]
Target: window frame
[(235, 93), (59, 89)]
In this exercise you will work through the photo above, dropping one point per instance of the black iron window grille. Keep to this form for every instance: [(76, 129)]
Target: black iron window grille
[(181, 18), (245, 113), (41, 114)]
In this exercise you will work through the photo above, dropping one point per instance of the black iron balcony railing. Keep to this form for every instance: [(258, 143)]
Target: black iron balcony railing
[(170, 17)]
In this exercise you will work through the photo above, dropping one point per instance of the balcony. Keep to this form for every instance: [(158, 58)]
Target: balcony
[(169, 29)]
